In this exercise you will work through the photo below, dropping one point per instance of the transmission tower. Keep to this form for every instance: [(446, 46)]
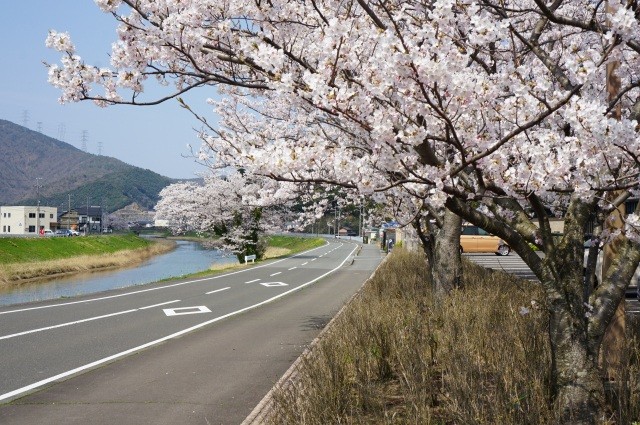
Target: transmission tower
[(99, 148), (25, 118), (62, 130), (39, 126), (84, 138)]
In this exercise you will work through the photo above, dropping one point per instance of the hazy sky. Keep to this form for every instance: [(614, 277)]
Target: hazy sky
[(149, 137)]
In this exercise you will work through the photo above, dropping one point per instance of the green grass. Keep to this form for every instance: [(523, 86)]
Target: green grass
[(23, 250), (294, 243)]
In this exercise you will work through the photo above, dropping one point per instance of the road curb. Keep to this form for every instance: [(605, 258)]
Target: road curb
[(264, 409)]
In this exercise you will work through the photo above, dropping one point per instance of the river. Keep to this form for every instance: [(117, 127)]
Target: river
[(188, 257)]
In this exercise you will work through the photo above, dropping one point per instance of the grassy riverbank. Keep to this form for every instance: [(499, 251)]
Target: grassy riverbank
[(396, 357), (28, 259)]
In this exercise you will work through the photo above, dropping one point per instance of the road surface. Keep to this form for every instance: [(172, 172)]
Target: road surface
[(194, 351)]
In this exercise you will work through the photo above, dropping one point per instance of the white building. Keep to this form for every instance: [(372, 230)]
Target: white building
[(27, 220)]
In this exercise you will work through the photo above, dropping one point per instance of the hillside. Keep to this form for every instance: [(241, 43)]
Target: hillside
[(65, 170)]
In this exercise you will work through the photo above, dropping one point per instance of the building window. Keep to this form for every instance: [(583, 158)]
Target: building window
[(50, 215), (9, 215), (41, 215), (32, 229), (32, 215), (4, 229), (9, 227)]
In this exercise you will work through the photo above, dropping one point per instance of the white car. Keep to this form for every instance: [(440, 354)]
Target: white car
[(48, 232)]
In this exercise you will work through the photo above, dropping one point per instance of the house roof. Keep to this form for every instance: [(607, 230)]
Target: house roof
[(90, 211)]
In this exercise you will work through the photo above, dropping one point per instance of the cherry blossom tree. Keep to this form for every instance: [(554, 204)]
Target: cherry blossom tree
[(498, 112), (237, 208)]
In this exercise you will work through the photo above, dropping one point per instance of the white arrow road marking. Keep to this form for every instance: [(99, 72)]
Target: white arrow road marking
[(217, 290), (272, 284), (186, 310)]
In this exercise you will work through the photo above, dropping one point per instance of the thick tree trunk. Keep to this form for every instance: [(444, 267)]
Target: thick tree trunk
[(447, 266), (579, 390)]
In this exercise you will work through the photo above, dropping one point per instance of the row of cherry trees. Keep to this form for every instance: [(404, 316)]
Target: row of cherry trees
[(496, 112), (236, 207)]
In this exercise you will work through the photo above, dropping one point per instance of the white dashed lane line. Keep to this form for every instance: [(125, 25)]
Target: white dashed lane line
[(293, 268), (217, 290), (90, 319), (254, 280), (275, 274)]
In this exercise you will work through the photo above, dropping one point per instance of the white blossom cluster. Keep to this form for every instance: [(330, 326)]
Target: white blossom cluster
[(405, 101)]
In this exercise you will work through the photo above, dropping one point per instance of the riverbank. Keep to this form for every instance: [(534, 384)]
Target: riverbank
[(277, 246), (25, 260)]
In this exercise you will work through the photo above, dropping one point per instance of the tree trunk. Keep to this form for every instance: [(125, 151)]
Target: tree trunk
[(447, 266), (576, 381)]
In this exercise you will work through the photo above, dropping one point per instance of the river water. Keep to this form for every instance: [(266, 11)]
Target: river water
[(188, 257)]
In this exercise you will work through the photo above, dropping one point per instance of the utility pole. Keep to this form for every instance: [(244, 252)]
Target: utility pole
[(86, 226), (69, 214), (38, 186)]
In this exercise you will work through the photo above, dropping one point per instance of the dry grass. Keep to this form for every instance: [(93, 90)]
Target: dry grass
[(275, 252), (395, 357), (17, 273)]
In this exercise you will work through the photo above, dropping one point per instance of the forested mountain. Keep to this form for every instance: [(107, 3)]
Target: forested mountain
[(29, 158)]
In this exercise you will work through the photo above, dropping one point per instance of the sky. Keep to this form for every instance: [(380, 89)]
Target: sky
[(153, 138)]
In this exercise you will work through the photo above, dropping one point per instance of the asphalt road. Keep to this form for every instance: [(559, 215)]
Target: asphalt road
[(195, 351)]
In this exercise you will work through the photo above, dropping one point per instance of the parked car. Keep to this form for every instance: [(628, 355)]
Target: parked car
[(48, 232), (475, 239), (66, 232)]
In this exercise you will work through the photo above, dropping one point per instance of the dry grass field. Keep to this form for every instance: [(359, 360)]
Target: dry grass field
[(396, 357)]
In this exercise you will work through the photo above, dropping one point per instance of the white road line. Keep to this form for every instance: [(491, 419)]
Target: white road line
[(217, 290), (38, 384), (313, 259), (254, 280), (275, 274), (160, 287), (293, 268), (67, 324), (158, 305), (304, 264)]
